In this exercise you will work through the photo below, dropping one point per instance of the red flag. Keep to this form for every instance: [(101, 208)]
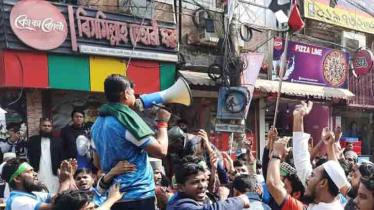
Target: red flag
[(295, 22)]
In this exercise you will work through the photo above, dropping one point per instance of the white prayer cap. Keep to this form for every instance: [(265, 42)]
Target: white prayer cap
[(336, 173), (351, 153), (9, 155), (156, 163)]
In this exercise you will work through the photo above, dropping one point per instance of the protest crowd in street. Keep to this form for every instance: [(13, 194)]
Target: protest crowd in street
[(119, 162)]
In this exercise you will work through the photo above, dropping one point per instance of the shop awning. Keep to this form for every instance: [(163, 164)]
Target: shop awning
[(293, 89)]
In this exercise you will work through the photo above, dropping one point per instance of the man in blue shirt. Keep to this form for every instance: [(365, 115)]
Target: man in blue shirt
[(120, 134)]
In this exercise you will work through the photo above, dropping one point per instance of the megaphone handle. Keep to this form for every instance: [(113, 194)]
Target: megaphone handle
[(162, 107)]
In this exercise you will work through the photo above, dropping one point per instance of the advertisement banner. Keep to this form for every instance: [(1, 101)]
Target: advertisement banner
[(313, 65), (344, 13)]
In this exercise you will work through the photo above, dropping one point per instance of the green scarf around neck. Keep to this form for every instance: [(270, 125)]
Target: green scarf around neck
[(128, 118)]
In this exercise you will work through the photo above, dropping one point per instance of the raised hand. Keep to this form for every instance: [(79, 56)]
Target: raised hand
[(280, 146), (204, 138), (272, 137), (328, 138), (338, 133), (248, 145), (74, 165), (214, 161), (114, 192), (228, 162), (64, 173), (223, 193), (303, 109)]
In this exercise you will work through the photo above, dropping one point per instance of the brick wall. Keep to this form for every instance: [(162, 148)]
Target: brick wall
[(34, 111)]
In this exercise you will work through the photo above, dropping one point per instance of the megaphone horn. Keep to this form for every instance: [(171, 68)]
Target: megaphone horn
[(179, 93)]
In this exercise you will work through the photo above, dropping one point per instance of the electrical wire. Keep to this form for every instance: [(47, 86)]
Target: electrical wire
[(23, 85), (138, 35)]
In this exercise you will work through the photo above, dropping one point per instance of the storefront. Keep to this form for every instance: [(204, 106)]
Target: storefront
[(57, 57), (357, 118), (307, 77), (313, 73)]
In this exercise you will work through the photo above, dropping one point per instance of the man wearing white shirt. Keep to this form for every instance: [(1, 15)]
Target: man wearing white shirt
[(324, 183), (45, 154)]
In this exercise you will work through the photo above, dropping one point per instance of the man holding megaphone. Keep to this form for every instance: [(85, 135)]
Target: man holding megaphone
[(120, 134)]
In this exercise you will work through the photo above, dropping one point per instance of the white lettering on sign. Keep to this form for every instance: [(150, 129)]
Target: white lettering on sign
[(47, 25), (308, 50)]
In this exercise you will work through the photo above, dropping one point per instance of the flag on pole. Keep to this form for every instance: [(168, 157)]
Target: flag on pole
[(281, 9), (295, 22)]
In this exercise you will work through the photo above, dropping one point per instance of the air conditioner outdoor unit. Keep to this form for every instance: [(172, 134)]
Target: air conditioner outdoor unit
[(353, 40), (206, 30)]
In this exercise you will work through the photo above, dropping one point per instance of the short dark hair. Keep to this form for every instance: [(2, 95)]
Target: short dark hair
[(368, 182), (245, 183), (239, 163), (333, 189), (366, 169), (258, 164), (13, 125), (114, 85), (345, 166), (77, 110), (10, 167), (72, 200), (242, 157), (350, 143), (182, 120), (186, 167), (296, 184), (82, 170), (321, 161)]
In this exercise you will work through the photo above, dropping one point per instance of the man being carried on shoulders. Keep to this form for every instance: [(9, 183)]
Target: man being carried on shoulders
[(120, 134)]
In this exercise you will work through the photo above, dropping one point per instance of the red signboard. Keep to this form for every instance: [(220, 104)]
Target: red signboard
[(363, 61), (278, 44), (38, 24)]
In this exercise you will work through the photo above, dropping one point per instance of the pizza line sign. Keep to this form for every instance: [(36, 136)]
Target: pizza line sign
[(313, 65)]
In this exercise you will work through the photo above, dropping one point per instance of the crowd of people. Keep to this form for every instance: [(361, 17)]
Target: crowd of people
[(119, 162)]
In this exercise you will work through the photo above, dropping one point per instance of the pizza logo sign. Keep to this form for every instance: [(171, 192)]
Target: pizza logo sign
[(335, 68), (278, 44), (38, 24)]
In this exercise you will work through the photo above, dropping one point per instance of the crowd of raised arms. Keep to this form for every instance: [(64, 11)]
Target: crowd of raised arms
[(119, 162)]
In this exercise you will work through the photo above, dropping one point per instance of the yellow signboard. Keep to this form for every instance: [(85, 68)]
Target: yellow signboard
[(341, 16)]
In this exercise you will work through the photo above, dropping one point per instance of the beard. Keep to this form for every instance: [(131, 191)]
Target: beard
[(353, 192), (308, 199), (32, 186), (46, 134)]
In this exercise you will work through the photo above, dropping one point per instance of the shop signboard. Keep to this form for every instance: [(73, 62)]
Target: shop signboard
[(362, 61), (230, 128), (38, 24), (342, 13), (313, 65), (66, 29)]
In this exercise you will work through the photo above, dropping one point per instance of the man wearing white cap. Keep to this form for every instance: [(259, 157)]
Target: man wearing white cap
[(4, 187), (351, 157), (324, 183)]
